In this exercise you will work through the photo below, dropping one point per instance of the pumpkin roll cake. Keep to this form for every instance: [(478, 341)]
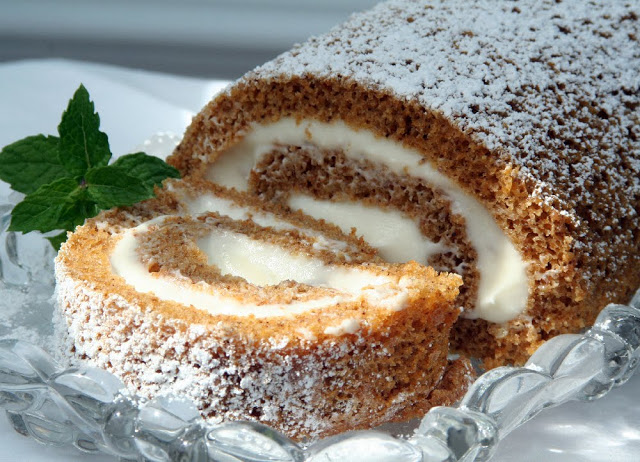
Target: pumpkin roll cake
[(496, 140)]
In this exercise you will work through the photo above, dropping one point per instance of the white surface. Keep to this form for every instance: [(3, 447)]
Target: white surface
[(133, 105)]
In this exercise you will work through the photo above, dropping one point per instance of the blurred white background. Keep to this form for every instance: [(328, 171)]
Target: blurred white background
[(204, 38)]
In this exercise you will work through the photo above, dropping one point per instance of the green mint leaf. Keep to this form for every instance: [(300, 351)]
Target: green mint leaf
[(82, 144), (68, 179), (151, 170), (31, 162), (81, 207), (112, 187), (49, 208), (57, 240)]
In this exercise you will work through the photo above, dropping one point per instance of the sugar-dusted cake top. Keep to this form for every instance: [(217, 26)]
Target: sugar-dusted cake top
[(542, 82)]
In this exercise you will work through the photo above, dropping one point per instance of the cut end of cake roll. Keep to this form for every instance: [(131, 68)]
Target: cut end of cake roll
[(257, 313), (508, 154)]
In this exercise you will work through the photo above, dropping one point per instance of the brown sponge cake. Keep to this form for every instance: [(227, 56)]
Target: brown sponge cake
[(503, 135), (257, 314)]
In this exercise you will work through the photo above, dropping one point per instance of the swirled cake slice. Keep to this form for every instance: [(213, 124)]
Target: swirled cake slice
[(257, 313)]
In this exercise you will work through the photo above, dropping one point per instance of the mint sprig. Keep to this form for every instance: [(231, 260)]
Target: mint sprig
[(68, 179)]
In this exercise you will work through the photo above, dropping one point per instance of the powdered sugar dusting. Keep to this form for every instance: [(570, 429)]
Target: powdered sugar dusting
[(201, 363)]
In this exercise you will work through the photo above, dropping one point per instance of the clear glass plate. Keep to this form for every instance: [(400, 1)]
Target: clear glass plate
[(88, 408)]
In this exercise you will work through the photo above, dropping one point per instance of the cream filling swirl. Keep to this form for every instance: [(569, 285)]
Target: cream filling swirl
[(503, 287), (260, 263)]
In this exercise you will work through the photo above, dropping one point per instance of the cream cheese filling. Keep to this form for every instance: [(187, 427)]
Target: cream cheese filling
[(260, 263), (389, 231), (503, 286), (208, 202)]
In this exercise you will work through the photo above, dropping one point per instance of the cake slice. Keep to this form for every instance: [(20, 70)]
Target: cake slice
[(498, 140), (257, 314)]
